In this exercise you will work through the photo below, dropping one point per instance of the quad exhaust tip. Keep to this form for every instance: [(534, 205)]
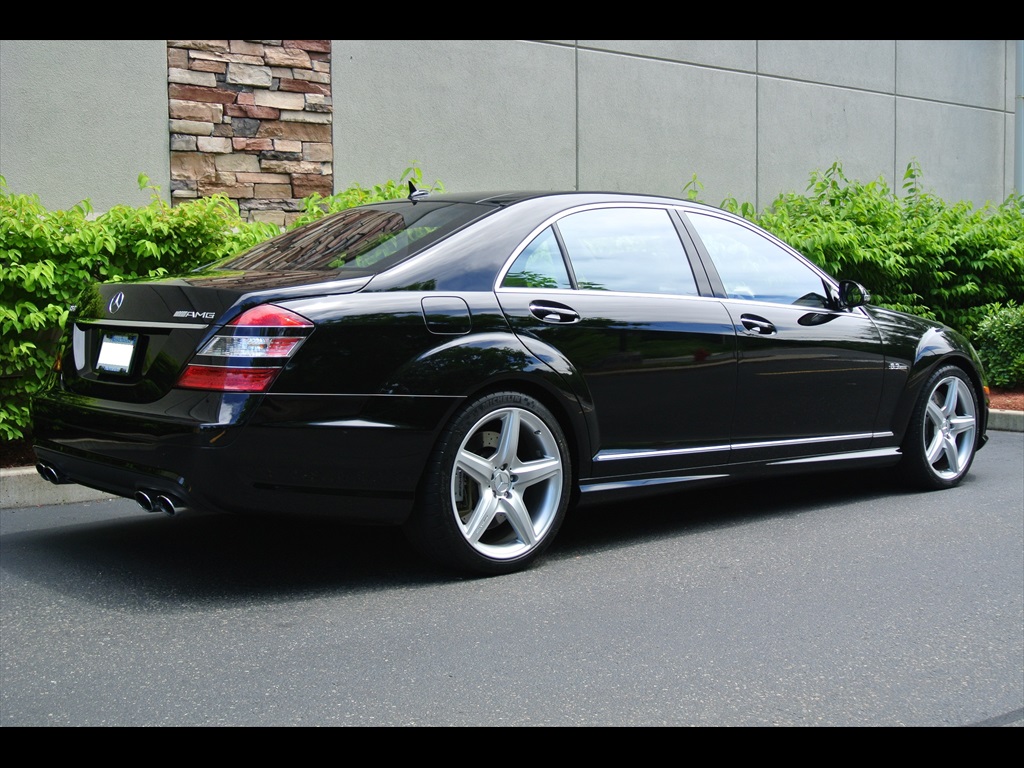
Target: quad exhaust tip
[(149, 500)]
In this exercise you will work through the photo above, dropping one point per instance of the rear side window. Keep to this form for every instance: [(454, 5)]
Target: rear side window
[(540, 265), (627, 249), (363, 240)]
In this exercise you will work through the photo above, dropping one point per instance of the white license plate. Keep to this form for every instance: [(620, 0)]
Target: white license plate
[(116, 352)]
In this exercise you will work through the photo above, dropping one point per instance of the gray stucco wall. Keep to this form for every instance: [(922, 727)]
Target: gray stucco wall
[(750, 118), (82, 119)]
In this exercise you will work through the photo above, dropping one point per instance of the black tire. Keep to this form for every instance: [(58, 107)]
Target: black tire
[(496, 488), (942, 436)]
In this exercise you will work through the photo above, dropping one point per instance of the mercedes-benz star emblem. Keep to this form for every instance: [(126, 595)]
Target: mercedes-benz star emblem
[(116, 302)]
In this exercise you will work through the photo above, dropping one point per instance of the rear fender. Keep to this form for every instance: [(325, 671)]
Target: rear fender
[(468, 365)]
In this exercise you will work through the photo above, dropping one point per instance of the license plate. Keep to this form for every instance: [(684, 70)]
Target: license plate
[(116, 352)]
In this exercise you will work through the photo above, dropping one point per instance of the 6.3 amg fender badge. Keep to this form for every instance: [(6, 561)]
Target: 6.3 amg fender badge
[(116, 302)]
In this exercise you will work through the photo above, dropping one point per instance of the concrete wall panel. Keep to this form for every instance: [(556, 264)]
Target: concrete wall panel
[(478, 115), (1008, 156), (968, 72), (864, 64), (649, 125), (804, 128), (1011, 75), (960, 150), (727, 54), (81, 119)]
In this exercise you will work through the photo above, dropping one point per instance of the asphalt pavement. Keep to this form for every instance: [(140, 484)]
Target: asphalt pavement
[(23, 487)]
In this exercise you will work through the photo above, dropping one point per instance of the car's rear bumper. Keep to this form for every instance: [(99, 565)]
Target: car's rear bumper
[(357, 459)]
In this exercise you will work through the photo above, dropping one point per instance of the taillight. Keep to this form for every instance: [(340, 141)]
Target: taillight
[(249, 353)]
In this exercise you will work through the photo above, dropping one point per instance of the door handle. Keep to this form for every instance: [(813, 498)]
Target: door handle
[(757, 325), (553, 312)]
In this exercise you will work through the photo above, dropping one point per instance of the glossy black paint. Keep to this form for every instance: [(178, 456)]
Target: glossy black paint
[(653, 391)]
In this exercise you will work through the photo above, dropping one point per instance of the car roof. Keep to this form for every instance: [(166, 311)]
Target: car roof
[(504, 198)]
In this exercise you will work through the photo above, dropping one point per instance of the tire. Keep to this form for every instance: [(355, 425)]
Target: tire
[(942, 436), (496, 488)]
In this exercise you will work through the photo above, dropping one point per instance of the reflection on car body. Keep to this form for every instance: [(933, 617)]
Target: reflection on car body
[(472, 367)]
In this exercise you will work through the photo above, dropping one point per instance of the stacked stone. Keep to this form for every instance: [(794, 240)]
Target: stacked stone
[(251, 119)]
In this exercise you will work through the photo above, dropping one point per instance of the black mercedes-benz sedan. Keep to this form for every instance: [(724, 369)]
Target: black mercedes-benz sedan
[(473, 367)]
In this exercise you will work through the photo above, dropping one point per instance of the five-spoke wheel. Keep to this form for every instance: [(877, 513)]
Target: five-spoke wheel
[(498, 486), (942, 437)]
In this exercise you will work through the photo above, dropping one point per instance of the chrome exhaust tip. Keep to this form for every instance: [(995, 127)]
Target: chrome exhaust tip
[(50, 473), (154, 501), (167, 504)]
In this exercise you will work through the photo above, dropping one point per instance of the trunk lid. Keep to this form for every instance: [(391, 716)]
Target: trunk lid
[(129, 342)]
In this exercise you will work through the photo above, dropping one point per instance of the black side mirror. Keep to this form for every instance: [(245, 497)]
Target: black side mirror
[(852, 294)]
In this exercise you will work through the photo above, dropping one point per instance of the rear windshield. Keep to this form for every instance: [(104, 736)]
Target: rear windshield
[(359, 241)]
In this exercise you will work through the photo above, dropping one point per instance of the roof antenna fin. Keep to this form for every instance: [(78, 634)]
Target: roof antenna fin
[(416, 194)]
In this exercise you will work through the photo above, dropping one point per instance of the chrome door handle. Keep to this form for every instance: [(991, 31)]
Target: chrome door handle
[(553, 312), (757, 325)]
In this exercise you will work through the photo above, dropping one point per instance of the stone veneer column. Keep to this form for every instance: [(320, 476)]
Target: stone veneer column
[(251, 119)]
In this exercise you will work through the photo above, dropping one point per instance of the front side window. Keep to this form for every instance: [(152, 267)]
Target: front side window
[(753, 267)]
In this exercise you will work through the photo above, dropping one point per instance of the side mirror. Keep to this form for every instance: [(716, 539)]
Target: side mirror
[(852, 294)]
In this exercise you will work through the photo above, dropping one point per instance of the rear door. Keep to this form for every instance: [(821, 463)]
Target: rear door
[(612, 291)]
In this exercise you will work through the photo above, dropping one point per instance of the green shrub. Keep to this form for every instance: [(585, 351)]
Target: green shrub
[(914, 253), (316, 206), (48, 257), (999, 339)]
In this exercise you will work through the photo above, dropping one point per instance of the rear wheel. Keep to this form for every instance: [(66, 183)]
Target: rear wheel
[(497, 487), (942, 437)]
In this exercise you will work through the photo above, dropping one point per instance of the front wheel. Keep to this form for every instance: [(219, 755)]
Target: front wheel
[(496, 489), (942, 436)]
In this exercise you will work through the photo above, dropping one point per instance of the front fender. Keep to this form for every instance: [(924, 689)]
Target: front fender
[(940, 346), (915, 347)]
